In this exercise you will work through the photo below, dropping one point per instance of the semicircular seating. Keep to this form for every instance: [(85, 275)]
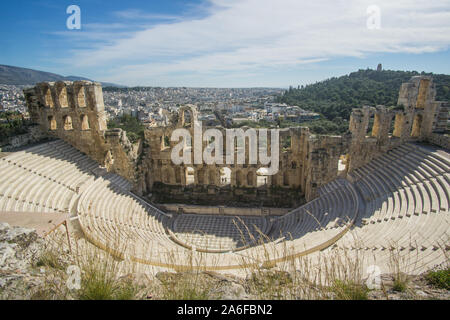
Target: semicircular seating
[(406, 209), (399, 201), (43, 178), (114, 218)]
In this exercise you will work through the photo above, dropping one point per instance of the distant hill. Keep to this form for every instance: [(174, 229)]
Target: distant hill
[(22, 76), (335, 97)]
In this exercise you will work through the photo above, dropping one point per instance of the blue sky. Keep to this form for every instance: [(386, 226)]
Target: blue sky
[(225, 43)]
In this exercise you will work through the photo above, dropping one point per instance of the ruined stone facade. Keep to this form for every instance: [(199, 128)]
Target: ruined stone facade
[(74, 112), (303, 160), (417, 117)]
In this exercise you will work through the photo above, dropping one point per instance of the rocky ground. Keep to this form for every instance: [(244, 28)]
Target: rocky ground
[(19, 247), (29, 271)]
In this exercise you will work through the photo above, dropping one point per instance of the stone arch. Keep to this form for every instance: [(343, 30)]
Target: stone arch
[(225, 175), (262, 178), (190, 175), (239, 179), (342, 163), (52, 123), (262, 181), (398, 125), (187, 115), (67, 121), (376, 125), (422, 94), (186, 118), (201, 176), (48, 99), (84, 120), (286, 142), (62, 95), (212, 176), (370, 124), (417, 126), (391, 125), (165, 142), (250, 178), (177, 175), (80, 96)]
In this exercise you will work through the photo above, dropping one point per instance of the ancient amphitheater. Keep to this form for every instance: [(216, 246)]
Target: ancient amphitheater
[(394, 192)]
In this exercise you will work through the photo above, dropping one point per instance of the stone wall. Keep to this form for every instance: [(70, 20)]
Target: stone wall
[(415, 117), (75, 113), (441, 140), (305, 163), (222, 210), (321, 162), (33, 135), (441, 124)]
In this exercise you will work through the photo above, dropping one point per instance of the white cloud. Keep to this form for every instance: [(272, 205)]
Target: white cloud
[(247, 35), (136, 14)]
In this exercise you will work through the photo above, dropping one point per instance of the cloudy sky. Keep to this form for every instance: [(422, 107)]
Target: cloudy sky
[(225, 43)]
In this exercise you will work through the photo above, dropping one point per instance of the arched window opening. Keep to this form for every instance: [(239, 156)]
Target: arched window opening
[(225, 176), (177, 175), (52, 123), (239, 179), (48, 100), (417, 126), (262, 179), (286, 143), (84, 122), (392, 126), (422, 95), (250, 179), (165, 142), (398, 125), (62, 97), (190, 179), (201, 176), (81, 97), (212, 177), (370, 126), (375, 126), (187, 118), (67, 123), (342, 162)]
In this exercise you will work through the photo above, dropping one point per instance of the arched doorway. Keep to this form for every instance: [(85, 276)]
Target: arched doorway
[(190, 179), (225, 176)]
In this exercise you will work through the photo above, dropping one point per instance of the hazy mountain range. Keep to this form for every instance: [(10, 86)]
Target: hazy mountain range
[(23, 76)]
